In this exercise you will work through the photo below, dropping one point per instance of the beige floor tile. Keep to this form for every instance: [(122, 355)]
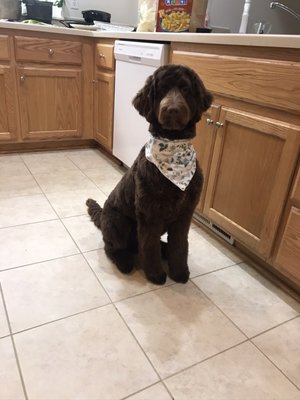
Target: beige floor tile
[(48, 162), (14, 186), (206, 254), (4, 331), (10, 382), (64, 180), (88, 356), (247, 298), (10, 157), (156, 392), (43, 292), (106, 178), (10, 166), (240, 373), (24, 210), (178, 326), (89, 158), (72, 202), (86, 235), (27, 244), (282, 346), (119, 286)]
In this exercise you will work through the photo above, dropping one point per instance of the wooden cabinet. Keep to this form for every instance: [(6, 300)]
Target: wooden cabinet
[(8, 117), (248, 147), (253, 160), (104, 94), (204, 145), (287, 254), (50, 102), (8, 109), (50, 98)]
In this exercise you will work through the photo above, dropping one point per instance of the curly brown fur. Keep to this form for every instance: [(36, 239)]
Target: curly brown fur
[(145, 204)]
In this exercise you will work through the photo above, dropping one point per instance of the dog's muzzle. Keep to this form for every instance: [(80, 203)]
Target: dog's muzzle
[(173, 112)]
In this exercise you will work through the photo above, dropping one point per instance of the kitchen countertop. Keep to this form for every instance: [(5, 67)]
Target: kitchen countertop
[(285, 41)]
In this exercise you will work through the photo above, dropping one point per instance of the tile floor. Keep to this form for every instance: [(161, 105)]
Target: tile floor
[(72, 327)]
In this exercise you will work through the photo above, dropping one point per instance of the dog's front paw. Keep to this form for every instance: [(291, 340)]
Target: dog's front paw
[(181, 276), (157, 279)]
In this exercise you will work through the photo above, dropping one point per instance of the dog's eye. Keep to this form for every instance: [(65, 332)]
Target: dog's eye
[(185, 90)]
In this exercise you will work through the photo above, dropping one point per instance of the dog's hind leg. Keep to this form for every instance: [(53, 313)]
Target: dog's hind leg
[(118, 236)]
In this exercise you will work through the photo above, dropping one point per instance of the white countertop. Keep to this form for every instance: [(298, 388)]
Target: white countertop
[(285, 41)]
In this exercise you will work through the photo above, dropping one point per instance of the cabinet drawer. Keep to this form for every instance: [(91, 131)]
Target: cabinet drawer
[(288, 255), (48, 50), (105, 55), (259, 81), (4, 50)]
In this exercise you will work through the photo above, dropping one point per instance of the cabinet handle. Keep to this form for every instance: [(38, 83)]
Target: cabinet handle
[(219, 125), (101, 55), (209, 121), (51, 52), (22, 78)]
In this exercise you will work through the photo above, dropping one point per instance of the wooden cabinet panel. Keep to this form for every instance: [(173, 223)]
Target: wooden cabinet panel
[(296, 188), (259, 81), (204, 145), (253, 161), (48, 50), (105, 55), (8, 124), (4, 49), (50, 103), (103, 110), (288, 256)]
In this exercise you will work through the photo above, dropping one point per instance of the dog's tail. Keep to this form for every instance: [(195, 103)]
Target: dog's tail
[(94, 211)]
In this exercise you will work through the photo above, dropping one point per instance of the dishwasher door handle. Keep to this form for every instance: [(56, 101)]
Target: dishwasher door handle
[(135, 58)]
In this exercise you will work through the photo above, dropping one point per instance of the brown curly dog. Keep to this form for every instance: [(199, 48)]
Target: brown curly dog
[(160, 191)]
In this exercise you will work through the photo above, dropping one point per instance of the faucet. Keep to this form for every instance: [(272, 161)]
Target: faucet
[(275, 4)]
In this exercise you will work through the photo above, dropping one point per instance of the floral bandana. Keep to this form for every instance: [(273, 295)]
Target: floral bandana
[(176, 159)]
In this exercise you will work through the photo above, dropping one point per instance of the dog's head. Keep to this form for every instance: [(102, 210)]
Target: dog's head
[(173, 100)]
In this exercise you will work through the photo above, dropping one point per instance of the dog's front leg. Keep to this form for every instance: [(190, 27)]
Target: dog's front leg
[(178, 249), (150, 250)]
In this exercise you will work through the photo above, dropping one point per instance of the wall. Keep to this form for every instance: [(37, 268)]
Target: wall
[(228, 13), (122, 11)]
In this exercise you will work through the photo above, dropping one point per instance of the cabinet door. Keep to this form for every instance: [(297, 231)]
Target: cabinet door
[(103, 112), (8, 117), (288, 257), (204, 144), (253, 161), (50, 103)]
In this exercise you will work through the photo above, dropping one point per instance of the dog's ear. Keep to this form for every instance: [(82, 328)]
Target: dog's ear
[(204, 98), (144, 100)]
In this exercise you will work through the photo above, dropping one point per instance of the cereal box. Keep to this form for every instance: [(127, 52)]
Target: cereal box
[(174, 15)]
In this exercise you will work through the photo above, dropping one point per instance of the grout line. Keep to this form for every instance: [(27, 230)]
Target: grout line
[(60, 319), (28, 223), (276, 366), (216, 270), (206, 359), (38, 262), (243, 333), (273, 327), (13, 344), (148, 387)]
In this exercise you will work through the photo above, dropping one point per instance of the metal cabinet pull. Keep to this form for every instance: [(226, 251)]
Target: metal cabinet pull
[(51, 52), (22, 78), (219, 125), (209, 121), (101, 55)]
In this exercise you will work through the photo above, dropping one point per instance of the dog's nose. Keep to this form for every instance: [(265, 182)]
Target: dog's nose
[(173, 111)]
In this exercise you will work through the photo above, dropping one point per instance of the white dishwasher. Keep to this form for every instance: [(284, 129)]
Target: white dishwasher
[(135, 61)]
